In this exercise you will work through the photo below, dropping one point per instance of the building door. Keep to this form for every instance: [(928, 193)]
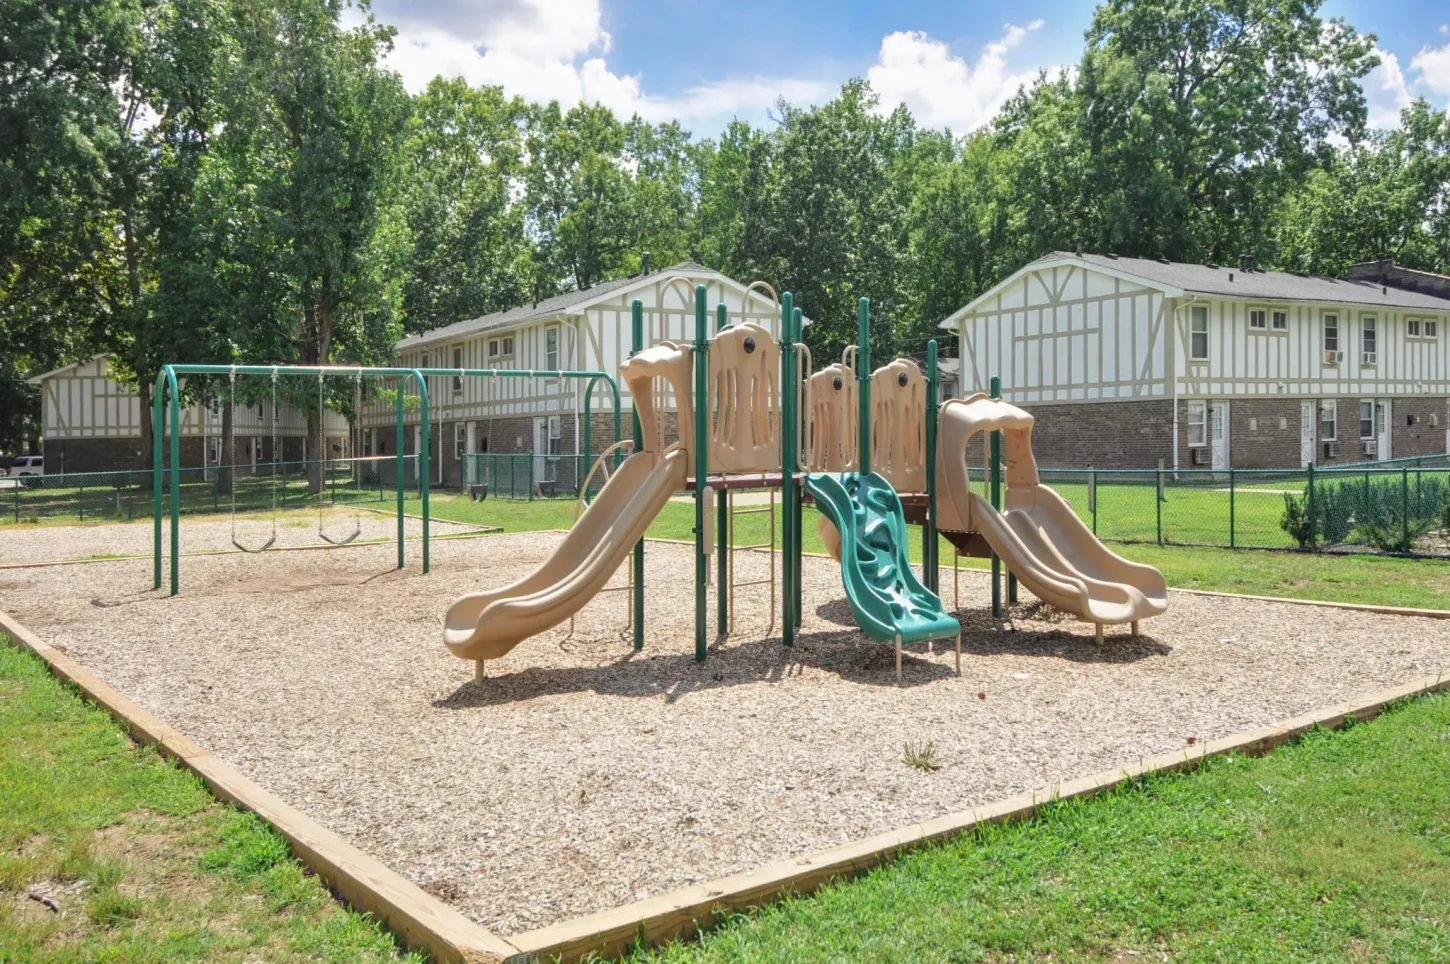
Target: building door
[(1382, 423), (1308, 426), (1218, 434)]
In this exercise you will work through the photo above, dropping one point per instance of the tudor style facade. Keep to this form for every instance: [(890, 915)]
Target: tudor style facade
[(1128, 361), (544, 417)]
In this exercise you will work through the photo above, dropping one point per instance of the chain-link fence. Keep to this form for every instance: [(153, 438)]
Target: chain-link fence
[(123, 496), (1400, 507), (526, 476)]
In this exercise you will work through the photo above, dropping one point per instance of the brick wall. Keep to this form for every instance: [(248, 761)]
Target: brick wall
[(1419, 426), (1103, 434), (1264, 433)]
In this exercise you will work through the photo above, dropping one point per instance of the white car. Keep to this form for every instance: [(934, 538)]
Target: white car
[(28, 465)]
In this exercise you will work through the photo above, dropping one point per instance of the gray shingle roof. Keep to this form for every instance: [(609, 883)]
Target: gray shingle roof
[(1263, 285), (548, 308)]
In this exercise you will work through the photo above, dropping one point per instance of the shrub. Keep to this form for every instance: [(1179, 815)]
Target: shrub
[(1295, 520)]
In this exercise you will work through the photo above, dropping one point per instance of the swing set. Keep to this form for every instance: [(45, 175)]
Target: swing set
[(166, 494)]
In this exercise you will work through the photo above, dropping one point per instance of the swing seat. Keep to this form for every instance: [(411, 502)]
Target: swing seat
[(339, 542), (262, 548)]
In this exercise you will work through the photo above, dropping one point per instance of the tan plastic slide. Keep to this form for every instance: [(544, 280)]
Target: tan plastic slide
[(1038, 535), (486, 625)]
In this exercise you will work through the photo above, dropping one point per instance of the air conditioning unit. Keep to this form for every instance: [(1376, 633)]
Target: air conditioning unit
[(1371, 447), (1331, 450), (1200, 455), (1333, 357), (1368, 358)]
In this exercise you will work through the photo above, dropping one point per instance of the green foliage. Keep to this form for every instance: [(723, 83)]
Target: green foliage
[(242, 180), (1386, 510)]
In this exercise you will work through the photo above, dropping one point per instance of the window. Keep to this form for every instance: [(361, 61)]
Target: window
[(1197, 424), (1422, 327), (1281, 320), (551, 349), (502, 347), (216, 451), (460, 440), (259, 411), (1257, 318), (1329, 420), (1432, 328), (1368, 342), (1412, 327), (1331, 332), (1198, 334), (556, 435), (458, 363), (1366, 419)]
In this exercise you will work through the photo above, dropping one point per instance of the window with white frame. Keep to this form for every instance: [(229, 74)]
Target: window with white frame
[(551, 348), (501, 347), (1197, 424), (1432, 328), (1412, 327), (1366, 420), (1279, 318), (1258, 319), (1331, 331), (1198, 333), (1329, 420), (460, 440), (1368, 340), (458, 363), (556, 435)]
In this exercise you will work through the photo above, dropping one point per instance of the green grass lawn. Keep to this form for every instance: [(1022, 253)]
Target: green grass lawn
[(1374, 580), (110, 853), (1334, 849)]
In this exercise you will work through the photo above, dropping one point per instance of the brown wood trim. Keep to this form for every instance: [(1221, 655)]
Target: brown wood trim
[(420, 919)]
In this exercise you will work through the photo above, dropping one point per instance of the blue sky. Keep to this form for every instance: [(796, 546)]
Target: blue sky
[(707, 61)]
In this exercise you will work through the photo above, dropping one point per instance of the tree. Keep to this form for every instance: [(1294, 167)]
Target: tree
[(316, 124), (462, 155), (1195, 115), (59, 130)]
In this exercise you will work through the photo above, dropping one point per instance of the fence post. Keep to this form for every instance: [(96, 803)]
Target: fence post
[(1093, 497), (1313, 529), (81, 502), (1232, 543), (1405, 507), (1158, 502), (17, 498)]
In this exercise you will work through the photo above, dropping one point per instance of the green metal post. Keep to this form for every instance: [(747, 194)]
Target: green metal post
[(863, 385), (158, 423), (1158, 501), (722, 524), (1312, 528), (1232, 542), (995, 481), (1405, 507), (929, 547), (788, 448), (702, 467), (798, 512), (402, 469), (175, 485), (423, 466), (636, 345)]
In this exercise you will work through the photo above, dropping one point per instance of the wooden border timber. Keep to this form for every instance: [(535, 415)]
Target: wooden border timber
[(683, 913), (420, 919)]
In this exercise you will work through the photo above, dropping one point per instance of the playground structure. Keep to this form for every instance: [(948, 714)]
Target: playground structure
[(751, 413)]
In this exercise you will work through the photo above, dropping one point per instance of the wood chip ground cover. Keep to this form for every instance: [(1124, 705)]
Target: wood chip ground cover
[(581, 775)]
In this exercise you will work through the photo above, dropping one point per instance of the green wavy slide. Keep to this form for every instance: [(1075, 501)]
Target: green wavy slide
[(887, 598)]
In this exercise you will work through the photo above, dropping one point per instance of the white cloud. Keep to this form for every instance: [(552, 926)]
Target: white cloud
[(1385, 91), (1431, 67), (942, 89), (545, 50)]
